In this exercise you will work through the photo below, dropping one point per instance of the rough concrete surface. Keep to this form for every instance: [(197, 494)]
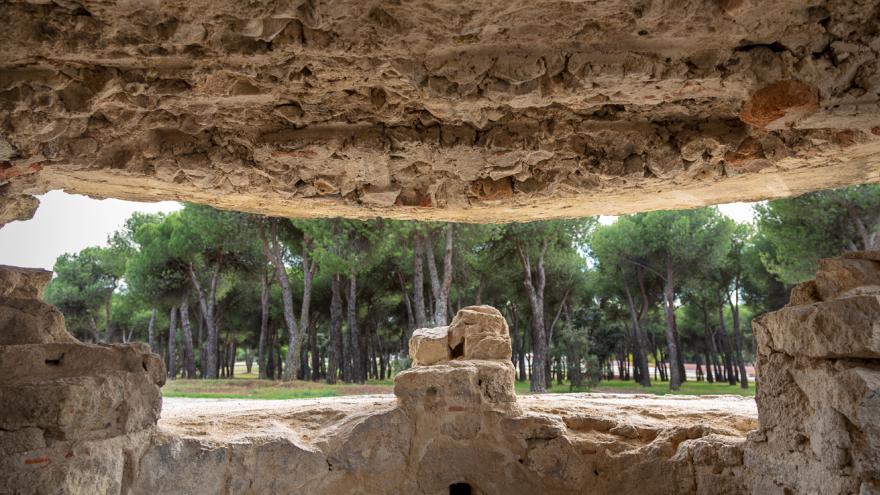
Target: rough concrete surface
[(633, 442), (819, 386), (71, 414), (473, 111), (24, 318)]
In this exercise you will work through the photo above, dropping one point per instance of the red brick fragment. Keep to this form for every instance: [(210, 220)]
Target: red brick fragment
[(778, 101)]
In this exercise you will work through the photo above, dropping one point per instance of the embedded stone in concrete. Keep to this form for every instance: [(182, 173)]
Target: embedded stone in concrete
[(479, 332), (75, 467), (429, 346), (780, 103)]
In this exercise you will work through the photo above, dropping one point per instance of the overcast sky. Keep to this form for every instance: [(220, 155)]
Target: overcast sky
[(67, 223)]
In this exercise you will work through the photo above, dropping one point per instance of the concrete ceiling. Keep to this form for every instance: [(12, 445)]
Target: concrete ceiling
[(480, 111)]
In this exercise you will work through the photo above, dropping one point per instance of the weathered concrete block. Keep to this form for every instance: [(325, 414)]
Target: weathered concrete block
[(842, 277), (472, 385), (848, 327), (37, 363), (479, 332), (804, 293), (818, 392), (72, 415), (31, 321), (23, 283), (85, 407), (846, 427), (429, 346)]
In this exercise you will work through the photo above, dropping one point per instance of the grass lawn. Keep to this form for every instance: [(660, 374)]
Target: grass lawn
[(689, 387), (523, 388), (248, 386)]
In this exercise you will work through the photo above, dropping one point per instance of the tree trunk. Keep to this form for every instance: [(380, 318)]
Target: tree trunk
[(440, 289), (529, 365), (206, 305), (860, 226), (363, 345), (203, 348), (699, 360), (374, 348), (559, 375), (309, 270), (644, 374), (728, 364), (189, 359), (353, 333), (535, 293), (548, 375), (433, 276), (419, 280), (313, 348), (658, 365), (93, 325), (231, 356), (711, 350), (279, 362), (150, 330), (303, 372), (334, 346), (249, 360), (737, 337), (520, 342), (410, 321), (272, 251), (270, 352), (671, 343), (709, 377), (347, 371), (478, 297), (681, 371), (262, 357), (172, 330), (108, 303)]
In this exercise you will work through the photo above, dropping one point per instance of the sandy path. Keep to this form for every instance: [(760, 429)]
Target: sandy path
[(225, 419), (175, 407)]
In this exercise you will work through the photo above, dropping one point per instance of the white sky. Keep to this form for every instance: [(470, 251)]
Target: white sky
[(67, 223), (741, 212)]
